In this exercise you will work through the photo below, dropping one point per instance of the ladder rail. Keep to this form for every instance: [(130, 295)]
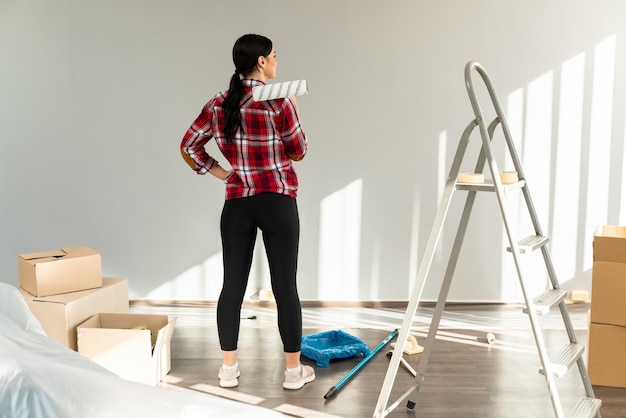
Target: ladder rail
[(568, 354), (474, 66), (449, 273), (445, 287), (487, 149), (429, 253)]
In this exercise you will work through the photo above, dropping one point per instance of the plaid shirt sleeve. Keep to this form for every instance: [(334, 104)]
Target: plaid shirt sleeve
[(293, 137), (197, 136)]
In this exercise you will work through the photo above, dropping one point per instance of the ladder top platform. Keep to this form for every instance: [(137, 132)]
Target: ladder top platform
[(489, 186)]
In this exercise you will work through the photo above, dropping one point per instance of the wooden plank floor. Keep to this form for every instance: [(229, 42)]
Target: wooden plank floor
[(464, 376)]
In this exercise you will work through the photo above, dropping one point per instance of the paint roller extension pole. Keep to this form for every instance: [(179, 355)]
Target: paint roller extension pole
[(333, 390)]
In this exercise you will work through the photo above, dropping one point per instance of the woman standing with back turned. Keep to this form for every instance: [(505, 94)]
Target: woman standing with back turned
[(260, 140)]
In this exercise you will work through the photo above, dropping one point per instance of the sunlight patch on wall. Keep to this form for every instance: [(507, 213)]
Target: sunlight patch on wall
[(339, 243), (599, 142), (509, 285), (536, 160), (200, 282), (537, 154), (564, 236), (515, 122), (204, 281), (442, 167), (374, 293), (414, 249)]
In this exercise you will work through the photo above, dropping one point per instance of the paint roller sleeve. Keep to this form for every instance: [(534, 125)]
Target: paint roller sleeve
[(279, 90)]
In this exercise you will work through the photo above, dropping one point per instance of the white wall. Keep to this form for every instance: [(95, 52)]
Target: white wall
[(95, 97)]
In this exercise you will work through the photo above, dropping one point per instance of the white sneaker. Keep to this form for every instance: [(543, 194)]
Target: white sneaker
[(295, 380), (228, 378)]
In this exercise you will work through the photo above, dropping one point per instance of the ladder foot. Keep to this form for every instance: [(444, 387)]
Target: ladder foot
[(410, 405)]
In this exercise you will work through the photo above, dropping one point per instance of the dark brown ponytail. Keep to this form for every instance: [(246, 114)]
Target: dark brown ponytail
[(246, 52)]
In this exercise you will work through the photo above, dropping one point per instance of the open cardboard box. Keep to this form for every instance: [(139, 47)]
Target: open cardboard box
[(59, 315), (136, 347), (60, 271)]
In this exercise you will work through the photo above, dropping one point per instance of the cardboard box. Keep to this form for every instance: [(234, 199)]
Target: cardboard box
[(136, 347), (608, 289), (609, 244), (60, 271), (606, 362), (61, 314)]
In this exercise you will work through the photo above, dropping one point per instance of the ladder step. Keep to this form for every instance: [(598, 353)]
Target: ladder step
[(547, 300), (531, 243), (564, 358), (586, 408), (489, 186)]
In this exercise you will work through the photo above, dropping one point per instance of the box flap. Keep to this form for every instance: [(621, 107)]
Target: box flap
[(135, 321), (164, 335), (161, 355), (611, 231), (91, 322), (124, 352), (62, 298), (44, 256), (73, 252)]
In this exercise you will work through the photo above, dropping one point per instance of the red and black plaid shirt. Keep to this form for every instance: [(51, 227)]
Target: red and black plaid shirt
[(259, 153)]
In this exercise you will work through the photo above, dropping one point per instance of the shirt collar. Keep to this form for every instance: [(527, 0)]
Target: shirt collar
[(251, 82)]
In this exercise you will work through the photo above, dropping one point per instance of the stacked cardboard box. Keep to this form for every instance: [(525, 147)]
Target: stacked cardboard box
[(61, 314), (55, 272), (607, 330), (66, 292)]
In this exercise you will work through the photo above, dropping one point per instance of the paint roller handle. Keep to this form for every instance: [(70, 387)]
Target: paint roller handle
[(331, 392)]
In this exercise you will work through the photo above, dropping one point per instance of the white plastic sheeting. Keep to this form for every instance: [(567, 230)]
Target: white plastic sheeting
[(40, 378)]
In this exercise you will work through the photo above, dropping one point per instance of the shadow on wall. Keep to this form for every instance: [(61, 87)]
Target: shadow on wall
[(565, 120), (339, 255), (562, 123)]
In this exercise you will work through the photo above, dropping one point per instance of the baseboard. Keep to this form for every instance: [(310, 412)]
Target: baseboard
[(389, 304)]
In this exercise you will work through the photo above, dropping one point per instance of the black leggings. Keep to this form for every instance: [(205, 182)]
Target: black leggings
[(276, 216)]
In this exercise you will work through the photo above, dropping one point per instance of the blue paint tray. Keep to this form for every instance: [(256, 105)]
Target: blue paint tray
[(329, 345)]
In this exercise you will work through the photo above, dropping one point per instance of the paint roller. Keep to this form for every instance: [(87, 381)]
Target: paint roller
[(334, 389), (279, 90)]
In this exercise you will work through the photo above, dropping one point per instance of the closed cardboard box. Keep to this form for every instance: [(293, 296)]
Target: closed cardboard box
[(609, 244), (61, 314), (608, 290), (136, 347), (606, 362), (61, 271)]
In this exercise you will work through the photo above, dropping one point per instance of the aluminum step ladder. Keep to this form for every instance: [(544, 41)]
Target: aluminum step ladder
[(554, 297)]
